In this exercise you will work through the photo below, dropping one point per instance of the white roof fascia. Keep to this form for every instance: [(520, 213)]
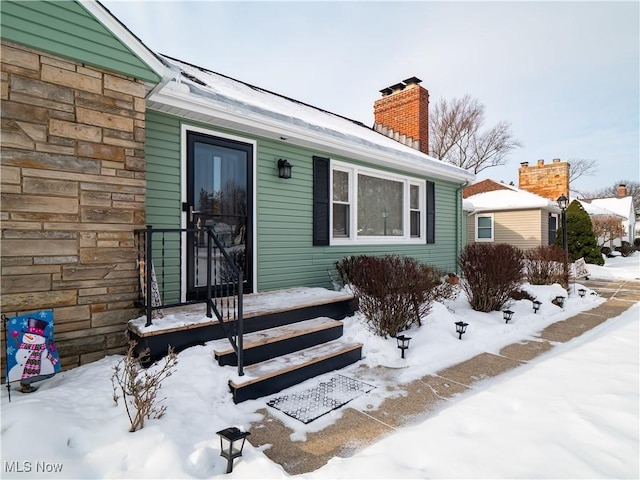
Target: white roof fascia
[(121, 32), (183, 100)]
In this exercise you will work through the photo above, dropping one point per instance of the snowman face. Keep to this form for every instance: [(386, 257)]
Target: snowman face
[(32, 338)]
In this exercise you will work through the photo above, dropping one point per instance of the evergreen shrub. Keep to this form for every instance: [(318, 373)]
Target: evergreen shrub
[(581, 240), (491, 273)]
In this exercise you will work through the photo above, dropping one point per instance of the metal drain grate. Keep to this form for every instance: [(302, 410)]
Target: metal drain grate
[(310, 404)]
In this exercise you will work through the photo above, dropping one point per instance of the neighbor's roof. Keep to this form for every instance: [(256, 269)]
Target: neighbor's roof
[(509, 198), (620, 206), (595, 210), (210, 97)]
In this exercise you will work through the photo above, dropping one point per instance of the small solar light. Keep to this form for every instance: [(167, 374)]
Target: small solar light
[(461, 327), (507, 315), (582, 292), (536, 305), (560, 301), (403, 343), (231, 444)]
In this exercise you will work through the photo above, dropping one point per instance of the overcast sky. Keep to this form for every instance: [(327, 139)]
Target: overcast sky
[(566, 75)]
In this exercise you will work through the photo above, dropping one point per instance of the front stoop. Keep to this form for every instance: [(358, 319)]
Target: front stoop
[(276, 374)]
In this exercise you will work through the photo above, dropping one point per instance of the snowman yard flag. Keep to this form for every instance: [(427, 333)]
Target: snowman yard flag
[(31, 354)]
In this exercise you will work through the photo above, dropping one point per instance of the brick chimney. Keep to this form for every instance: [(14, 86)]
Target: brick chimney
[(622, 190), (403, 114), (549, 181)]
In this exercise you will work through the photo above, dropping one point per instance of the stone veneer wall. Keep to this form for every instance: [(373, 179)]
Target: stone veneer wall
[(73, 191)]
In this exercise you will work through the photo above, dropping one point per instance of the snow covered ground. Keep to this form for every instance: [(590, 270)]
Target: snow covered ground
[(571, 413)]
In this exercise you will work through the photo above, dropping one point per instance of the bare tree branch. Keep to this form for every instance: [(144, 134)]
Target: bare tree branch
[(456, 135), (579, 167)]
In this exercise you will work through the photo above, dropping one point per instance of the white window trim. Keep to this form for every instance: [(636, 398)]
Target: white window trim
[(353, 239), (493, 227)]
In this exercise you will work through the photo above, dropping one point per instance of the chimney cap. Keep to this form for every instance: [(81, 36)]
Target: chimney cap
[(386, 91), (412, 81), (398, 86)]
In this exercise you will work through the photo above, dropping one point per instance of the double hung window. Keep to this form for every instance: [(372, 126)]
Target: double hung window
[(484, 227)]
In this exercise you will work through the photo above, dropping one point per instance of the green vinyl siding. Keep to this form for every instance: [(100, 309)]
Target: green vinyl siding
[(67, 29), (285, 254)]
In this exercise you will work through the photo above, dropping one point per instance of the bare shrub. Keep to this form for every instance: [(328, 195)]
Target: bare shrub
[(139, 387), (544, 265), (491, 272), (393, 292)]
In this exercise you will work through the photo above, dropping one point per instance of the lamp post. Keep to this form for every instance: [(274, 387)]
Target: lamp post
[(461, 327), (563, 202), (403, 343), (231, 444)]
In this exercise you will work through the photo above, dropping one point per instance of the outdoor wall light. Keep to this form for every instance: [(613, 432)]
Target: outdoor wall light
[(284, 168), (536, 305), (231, 444), (461, 327), (403, 343), (507, 315), (582, 292), (560, 301)]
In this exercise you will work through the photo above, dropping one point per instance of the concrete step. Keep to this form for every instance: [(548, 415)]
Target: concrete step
[(274, 375), (273, 342)]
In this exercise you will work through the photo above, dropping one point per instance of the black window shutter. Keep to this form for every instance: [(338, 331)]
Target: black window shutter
[(431, 213), (320, 201)]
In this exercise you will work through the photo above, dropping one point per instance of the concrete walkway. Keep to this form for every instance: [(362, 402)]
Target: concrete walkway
[(358, 428)]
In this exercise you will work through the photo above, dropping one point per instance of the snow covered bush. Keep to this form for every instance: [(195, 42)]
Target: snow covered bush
[(544, 265), (139, 387), (393, 292), (491, 272)]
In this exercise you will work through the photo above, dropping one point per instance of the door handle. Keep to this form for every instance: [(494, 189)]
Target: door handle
[(192, 212)]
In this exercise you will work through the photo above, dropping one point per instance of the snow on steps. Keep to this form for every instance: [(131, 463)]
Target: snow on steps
[(271, 376), (266, 344)]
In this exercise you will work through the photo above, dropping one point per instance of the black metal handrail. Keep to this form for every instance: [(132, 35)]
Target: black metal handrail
[(224, 280)]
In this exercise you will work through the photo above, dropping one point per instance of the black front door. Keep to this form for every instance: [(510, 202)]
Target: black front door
[(219, 193)]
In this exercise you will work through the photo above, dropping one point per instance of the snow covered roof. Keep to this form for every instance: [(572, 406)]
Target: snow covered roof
[(206, 96), (595, 210), (620, 206), (509, 198)]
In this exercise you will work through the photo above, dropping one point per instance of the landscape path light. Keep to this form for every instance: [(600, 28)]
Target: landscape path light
[(461, 327), (403, 343), (560, 301), (507, 315), (536, 305), (582, 292), (231, 444)]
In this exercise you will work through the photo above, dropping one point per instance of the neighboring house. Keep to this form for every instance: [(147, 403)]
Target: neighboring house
[(499, 213), (101, 137), (620, 205), (74, 82)]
